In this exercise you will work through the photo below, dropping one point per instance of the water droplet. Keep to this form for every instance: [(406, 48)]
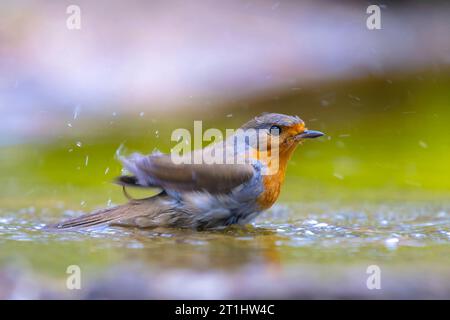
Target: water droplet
[(423, 144), (338, 175), (391, 243), (119, 150), (320, 225), (76, 112)]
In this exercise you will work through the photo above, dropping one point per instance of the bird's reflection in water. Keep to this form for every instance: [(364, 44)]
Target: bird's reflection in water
[(229, 248)]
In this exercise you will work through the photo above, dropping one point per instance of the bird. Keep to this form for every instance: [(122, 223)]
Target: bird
[(203, 196)]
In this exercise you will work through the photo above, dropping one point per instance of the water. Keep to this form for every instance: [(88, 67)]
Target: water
[(373, 193), (317, 241)]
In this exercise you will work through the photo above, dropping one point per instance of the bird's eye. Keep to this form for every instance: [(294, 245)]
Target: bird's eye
[(275, 130)]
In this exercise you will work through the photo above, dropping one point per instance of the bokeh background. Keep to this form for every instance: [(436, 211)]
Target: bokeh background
[(136, 70)]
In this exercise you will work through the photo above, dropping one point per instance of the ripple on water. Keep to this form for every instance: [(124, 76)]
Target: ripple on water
[(388, 226), (406, 226)]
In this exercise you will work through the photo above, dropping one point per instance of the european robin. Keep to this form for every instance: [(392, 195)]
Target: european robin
[(206, 195)]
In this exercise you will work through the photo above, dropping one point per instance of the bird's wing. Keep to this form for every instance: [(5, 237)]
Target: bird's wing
[(160, 171)]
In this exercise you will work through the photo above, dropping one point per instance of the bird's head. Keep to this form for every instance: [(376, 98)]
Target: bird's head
[(281, 130)]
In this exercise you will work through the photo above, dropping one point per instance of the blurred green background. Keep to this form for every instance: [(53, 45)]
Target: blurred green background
[(387, 139)]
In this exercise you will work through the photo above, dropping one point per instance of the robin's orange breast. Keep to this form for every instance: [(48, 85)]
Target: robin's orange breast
[(272, 188), (272, 184)]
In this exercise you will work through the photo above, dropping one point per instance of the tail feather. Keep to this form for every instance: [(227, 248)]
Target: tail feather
[(125, 214), (97, 218)]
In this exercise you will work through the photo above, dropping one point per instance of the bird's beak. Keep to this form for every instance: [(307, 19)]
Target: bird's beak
[(309, 134)]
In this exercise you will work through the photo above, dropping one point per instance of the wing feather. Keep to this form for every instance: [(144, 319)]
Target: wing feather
[(160, 171)]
